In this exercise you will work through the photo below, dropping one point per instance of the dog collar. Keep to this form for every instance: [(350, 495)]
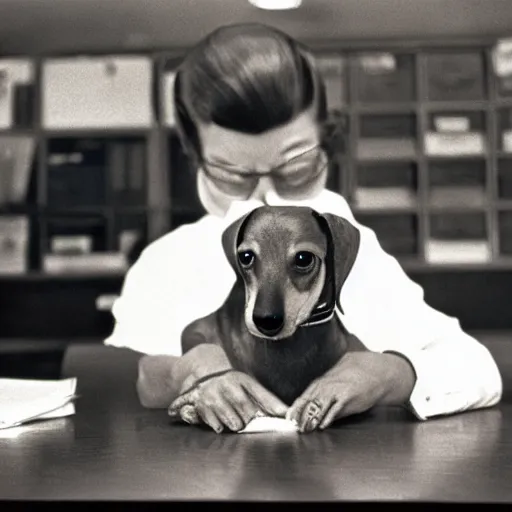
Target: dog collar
[(324, 320), (320, 315)]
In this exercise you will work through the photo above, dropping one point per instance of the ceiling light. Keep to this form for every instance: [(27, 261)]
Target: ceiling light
[(276, 5)]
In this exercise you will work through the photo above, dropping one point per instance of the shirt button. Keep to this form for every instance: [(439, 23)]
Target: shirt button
[(427, 399)]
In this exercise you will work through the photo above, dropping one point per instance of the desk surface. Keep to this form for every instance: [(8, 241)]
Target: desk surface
[(114, 449)]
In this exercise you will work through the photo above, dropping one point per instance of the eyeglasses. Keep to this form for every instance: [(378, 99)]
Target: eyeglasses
[(290, 178)]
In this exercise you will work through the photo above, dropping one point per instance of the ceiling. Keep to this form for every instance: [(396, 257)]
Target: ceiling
[(63, 26)]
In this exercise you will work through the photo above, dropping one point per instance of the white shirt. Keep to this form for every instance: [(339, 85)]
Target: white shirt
[(185, 275)]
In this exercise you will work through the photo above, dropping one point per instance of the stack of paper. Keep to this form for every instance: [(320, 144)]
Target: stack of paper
[(23, 400)]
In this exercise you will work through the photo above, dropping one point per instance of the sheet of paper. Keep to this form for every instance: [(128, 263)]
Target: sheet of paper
[(23, 400), (269, 424)]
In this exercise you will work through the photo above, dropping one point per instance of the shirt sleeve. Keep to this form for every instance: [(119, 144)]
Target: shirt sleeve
[(388, 313), (168, 287), (177, 279)]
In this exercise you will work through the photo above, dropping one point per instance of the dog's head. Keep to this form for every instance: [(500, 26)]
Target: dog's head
[(293, 262)]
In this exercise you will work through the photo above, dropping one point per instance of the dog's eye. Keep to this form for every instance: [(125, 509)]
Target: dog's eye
[(246, 258), (304, 260)]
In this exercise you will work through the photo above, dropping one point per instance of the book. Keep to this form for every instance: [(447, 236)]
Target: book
[(25, 400)]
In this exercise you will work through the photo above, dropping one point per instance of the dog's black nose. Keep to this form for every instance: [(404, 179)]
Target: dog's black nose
[(269, 325)]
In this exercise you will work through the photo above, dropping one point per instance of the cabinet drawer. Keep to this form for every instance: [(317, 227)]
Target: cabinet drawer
[(456, 76), (385, 78)]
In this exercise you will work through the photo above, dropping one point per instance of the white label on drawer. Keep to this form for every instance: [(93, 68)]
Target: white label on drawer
[(79, 244), (376, 63), (502, 57), (452, 124)]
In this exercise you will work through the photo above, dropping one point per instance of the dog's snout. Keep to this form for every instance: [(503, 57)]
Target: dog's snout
[(269, 325)]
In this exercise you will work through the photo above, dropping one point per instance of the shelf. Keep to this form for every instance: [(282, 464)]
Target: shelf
[(34, 276), (382, 210), (504, 204), (18, 132), (384, 108), (96, 132), (391, 104), (446, 106), (420, 266)]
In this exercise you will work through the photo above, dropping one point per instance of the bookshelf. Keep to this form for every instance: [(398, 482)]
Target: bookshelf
[(424, 157)]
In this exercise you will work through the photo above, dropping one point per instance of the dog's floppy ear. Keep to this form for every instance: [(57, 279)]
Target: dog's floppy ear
[(343, 244), (231, 238)]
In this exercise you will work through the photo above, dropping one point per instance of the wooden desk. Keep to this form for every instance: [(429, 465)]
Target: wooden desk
[(114, 449)]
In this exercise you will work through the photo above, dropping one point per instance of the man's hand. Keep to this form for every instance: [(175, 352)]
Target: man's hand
[(230, 400), (359, 381)]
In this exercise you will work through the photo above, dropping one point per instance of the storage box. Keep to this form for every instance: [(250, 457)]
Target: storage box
[(458, 183), (388, 186), (385, 77), (16, 93), (97, 92), (397, 233), (455, 134), (458, 226), (458, 238), (456, 76), (387, 137)]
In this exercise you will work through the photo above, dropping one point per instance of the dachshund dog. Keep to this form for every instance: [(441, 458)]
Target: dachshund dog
[(278, 323)]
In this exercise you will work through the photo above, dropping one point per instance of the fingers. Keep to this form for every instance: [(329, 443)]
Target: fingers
[(313, 413), (211, 419), (189, 414), (228, 416), (242, 403), (266, 400), (295, 411), (227, 402), (332, 415), (189, 398)]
